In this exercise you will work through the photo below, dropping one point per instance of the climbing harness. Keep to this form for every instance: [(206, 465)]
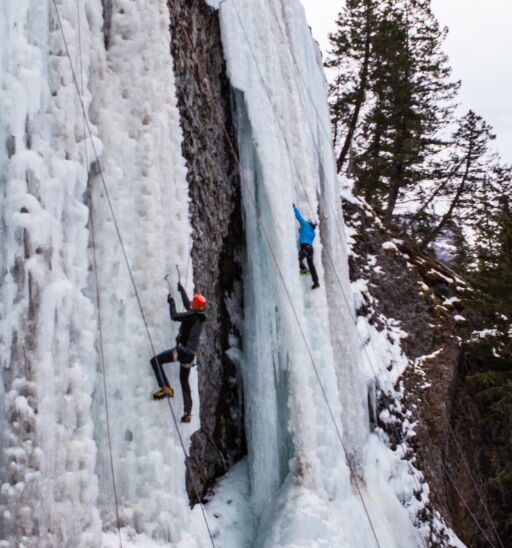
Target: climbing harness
[(125, 256)]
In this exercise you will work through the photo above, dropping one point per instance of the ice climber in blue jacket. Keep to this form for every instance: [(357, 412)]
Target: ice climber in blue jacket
[(306, 237)]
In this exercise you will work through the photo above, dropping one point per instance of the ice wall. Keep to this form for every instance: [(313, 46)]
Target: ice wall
[(47, 323), (308, 433), (135, 113), (56, 472)]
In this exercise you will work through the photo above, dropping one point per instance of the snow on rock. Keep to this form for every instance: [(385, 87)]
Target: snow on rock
[(385, 363), (436, 275), (389, 246), (451, 301), (231, 509)]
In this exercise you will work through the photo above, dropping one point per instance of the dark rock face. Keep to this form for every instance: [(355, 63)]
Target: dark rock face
[(425, 297), (205, 101)]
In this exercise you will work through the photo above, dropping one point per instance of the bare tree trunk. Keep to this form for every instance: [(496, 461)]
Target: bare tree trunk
[(396, 172), (394, 189), (447, 216), (361, 94), (435, 193)]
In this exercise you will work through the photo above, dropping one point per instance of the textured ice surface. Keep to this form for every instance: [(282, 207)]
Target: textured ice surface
[(136, 116), (55, 452), (303, 492), (47, 327)]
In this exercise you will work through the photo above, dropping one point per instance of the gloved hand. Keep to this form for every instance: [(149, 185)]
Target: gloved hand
[(170, 299), (180, 287), (293, 205)]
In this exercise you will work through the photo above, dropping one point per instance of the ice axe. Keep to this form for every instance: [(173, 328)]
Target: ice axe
[(179, 274), (168, 282)]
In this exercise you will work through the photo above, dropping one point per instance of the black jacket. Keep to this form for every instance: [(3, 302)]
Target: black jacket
[(191, 323)]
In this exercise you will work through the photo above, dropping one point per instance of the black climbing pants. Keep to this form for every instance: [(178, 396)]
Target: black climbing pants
[(306, 252), (185, 357)]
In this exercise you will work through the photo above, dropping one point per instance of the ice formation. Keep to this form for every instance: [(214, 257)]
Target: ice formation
[(315, 474)]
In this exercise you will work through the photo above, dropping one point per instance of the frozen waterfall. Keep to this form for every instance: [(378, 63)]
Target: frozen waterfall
[(315, 475), (301, 486)]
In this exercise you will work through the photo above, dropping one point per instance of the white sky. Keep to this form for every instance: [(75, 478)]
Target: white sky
[(479, 46)]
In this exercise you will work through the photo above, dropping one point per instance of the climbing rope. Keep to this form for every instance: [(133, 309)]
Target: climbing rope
[(293, 164), (97, 287), (204, 78), (338, 222), (300, 179), (299, 176), (123, 249), (102, 362)]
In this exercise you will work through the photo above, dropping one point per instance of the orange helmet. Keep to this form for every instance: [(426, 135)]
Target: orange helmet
[(198, 302)]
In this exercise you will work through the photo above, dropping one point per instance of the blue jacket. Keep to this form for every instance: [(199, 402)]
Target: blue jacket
[(306, 231)]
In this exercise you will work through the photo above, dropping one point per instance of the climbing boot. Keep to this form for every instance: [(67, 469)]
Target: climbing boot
[(165, 392), (304, 272), (316, 285), (186, 417)]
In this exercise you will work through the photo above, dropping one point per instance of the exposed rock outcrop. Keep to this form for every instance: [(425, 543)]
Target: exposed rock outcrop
[(425, 297), (218, 236)]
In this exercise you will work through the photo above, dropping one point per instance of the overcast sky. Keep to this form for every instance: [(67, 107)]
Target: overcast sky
[(479, 46)]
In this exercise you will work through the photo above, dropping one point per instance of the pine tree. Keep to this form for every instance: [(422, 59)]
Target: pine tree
[(391, 119), (412, 102), (489, 349), (351, 55), (491, 221)]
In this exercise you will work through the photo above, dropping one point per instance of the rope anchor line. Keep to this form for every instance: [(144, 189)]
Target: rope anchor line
[(280, 274)]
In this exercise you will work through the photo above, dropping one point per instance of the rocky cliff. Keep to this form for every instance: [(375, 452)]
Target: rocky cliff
[(426, 298), (205, 103)]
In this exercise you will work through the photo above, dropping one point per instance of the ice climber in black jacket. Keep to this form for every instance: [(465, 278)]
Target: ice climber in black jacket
[(187, 343)]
